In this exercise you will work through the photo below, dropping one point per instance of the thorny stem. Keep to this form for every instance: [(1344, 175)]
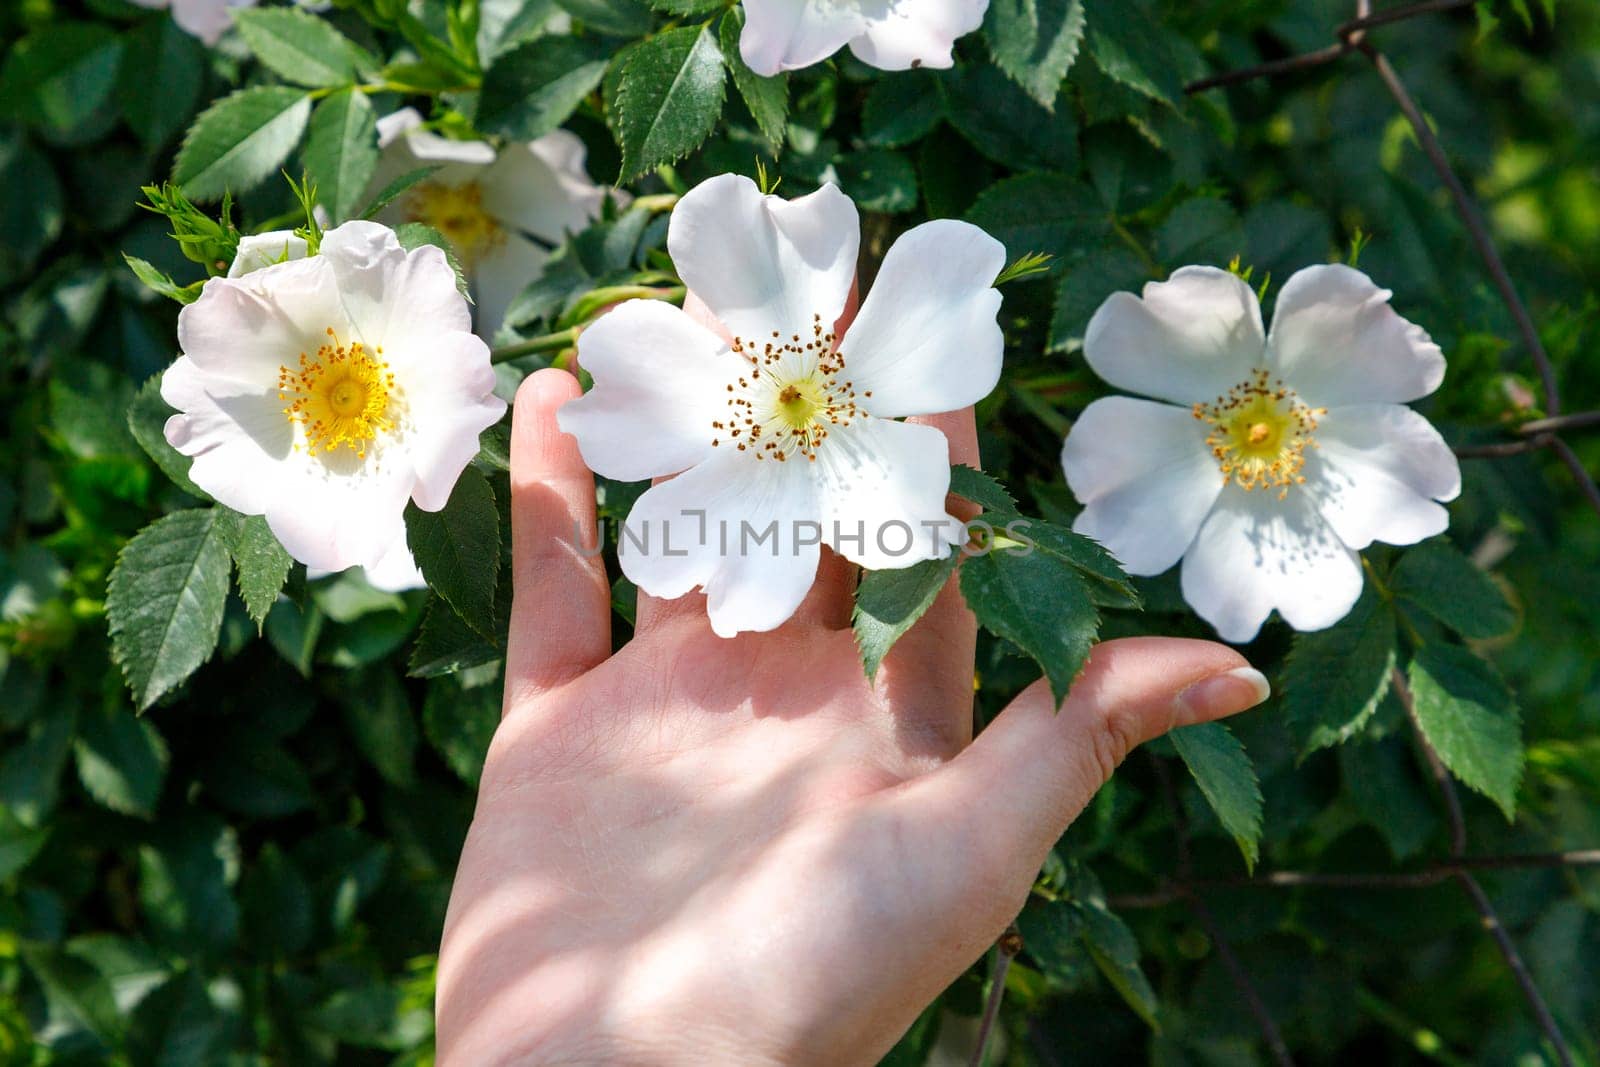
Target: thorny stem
[(1005, 950)]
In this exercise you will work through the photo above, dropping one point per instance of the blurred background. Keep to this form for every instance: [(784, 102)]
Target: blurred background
[(255, 870)]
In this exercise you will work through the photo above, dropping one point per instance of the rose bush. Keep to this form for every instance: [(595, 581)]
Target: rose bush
[(1247, 364)]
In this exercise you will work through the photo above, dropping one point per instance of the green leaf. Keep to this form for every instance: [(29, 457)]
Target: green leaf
[(889, 602), (689, 8), (1035, 42), (1109, 586), (460, 723), (1004, 123), (186, 872), (1450, 587), (1470, 718), (159, 83), (1381, 782), (1130, 47), (1334, 678), (416, 234), (1041, 213), (1115, 951), (240, 140), (1039, 604), (767, 98), (275, 906), (901, 108), (261, 780), (62, 77), (397, 188), (81, 993), (619, 18), (160, 282), (982, 489), (378, 714), (30, 771), (147, 416), (1227, 779), (262, 563), (19, 842), (446, 644), (878, 180), (458, 549), (341, 150), (669, 97), (122, 761), (165, 600), (35, 216), (1202, 230), (296, 46), (531, 89)]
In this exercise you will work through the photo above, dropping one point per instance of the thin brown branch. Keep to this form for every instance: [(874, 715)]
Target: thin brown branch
[(1005, 950), (1241, 978), (1585, 480), (1578, 420), (1431, 875), (1501, 449), (1473, 220), (1480, 899)]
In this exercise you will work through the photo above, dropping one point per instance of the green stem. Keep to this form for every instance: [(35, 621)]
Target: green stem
[(1133, 242), (550, 342)]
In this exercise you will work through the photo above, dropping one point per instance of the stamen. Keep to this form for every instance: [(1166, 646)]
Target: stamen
[(340, 396), (1261, 430), (790, 395)]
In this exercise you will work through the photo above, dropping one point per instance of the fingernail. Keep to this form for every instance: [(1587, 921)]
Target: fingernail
[(1225, 693)]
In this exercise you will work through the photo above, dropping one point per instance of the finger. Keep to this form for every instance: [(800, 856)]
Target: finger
[(1008, 797), (927, 675), (561, 602)]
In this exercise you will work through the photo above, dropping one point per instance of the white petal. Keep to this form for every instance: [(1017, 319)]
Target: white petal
[(916, 33), (396, 571), (428, 147), (790, 34), (1335, 340), (763, 264), (541, 188), (882, 486), (1146, 479), (660, 380), (259, 250), (1189, 339), (927, 338), (397, 124), (500, 276), (248, 327), (1376, 473), (206, 19), (236, 432), (334, 511), (449, 400), (1256, 552), (733, 527), (393, 298)]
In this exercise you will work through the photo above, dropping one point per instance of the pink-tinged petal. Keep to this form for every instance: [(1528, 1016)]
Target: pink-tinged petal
[(742, 530), (783, 35), (927, 338), (882, 487), (916, 33), (660, 381), (206, 19), (763, 264), (1188, 339), (1335, 340), (1377, 473), (1146, 478), (1256, 552)]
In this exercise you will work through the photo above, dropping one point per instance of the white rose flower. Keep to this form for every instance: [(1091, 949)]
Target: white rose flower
[(325, 392), (205, 19), (502, 211), (1290, 451), (778, 426), (888, 34)]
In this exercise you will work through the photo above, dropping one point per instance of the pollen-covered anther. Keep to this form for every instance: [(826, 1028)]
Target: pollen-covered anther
[(342, 396), (791, 395), (1260, 432)]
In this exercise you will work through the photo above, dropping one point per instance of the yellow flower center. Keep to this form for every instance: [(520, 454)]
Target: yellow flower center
[(339, 397), (1260, 432), (790, 396), (457, 212)]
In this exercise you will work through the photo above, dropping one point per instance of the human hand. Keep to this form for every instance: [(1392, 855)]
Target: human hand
[(739, 850)]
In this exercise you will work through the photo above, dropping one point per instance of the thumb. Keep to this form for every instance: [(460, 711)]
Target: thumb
[(1002, 803)]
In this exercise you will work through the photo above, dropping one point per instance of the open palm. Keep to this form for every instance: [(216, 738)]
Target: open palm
[(739, 850)]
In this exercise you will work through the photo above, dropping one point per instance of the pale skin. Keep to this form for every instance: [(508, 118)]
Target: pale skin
[(707, 851)]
